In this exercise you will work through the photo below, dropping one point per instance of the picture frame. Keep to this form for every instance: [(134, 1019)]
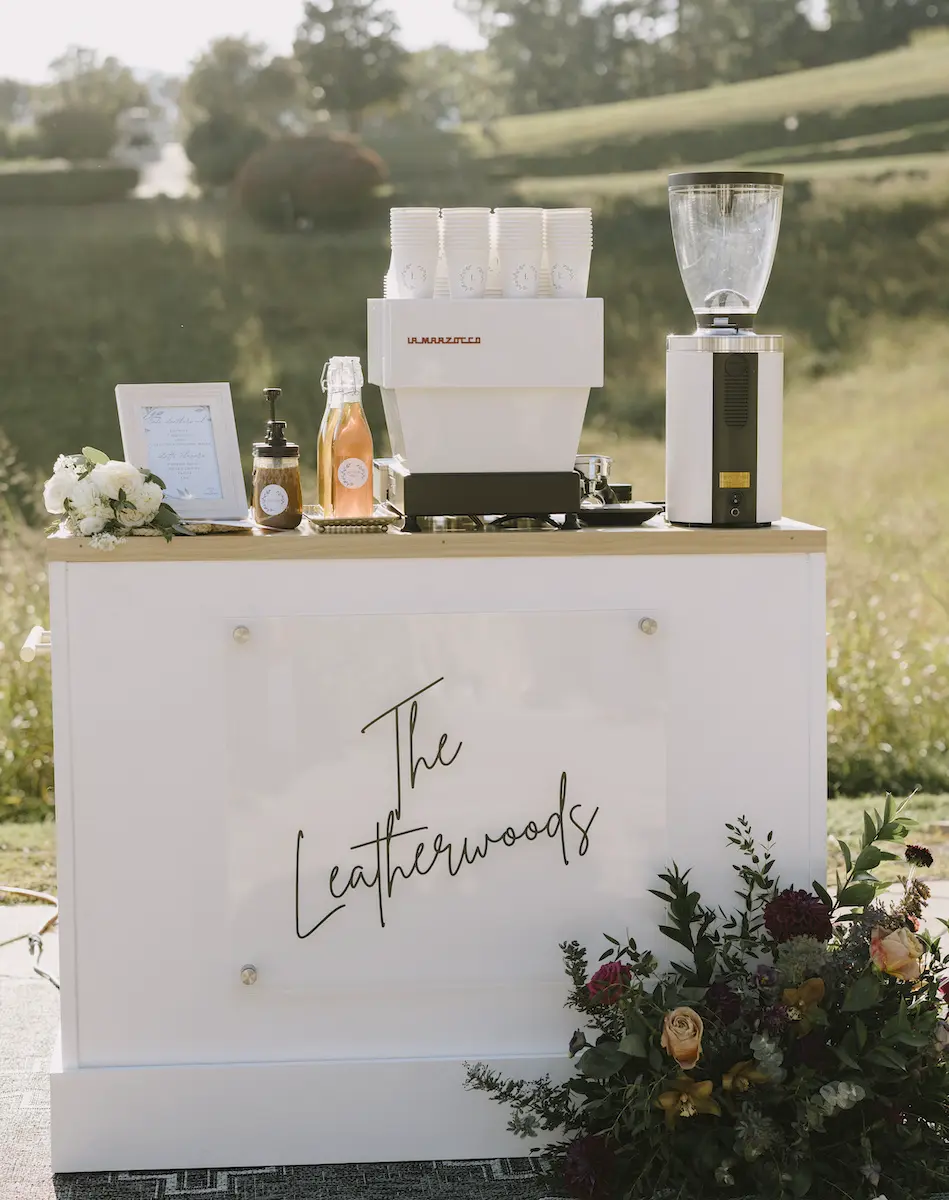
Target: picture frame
[(185, 434)]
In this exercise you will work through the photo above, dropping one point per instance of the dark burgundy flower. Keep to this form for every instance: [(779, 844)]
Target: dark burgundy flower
[(766, 976), (724, 1003), (607, 984), (919, 856), (797, 914), (774, 1020), (944, 991), (813, 1052), (588, 1169)]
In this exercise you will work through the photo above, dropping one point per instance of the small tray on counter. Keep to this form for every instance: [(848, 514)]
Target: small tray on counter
[(632, 513), (381, 521)]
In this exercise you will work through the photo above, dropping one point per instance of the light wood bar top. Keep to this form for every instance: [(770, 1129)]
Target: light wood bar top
[(656, 537)]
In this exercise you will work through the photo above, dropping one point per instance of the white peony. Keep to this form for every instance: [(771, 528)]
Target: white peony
[(114, 477), (147, 498), (86, 497)]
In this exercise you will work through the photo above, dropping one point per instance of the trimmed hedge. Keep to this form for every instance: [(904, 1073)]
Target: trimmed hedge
[(320, 180), (72, 185)]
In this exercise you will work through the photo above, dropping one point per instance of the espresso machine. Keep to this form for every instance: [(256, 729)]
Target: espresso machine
[(484, 402), (724, 381)]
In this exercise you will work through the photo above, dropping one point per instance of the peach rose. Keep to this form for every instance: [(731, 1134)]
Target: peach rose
[(682, 1032), (897, 953)]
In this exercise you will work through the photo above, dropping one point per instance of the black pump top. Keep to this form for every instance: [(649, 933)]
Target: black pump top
[(276, 445)]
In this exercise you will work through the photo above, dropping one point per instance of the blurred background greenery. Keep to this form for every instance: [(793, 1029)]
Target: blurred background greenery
[(124, 260)]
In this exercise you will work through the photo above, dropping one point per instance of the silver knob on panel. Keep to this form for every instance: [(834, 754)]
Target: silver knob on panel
[(649, 625), (248, 975), (241, 634)]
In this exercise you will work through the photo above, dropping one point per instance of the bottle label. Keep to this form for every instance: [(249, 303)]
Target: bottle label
[(273, 499), (353, 473)]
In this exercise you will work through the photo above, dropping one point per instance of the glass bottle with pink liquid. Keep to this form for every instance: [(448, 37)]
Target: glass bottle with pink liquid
[(351, 455)]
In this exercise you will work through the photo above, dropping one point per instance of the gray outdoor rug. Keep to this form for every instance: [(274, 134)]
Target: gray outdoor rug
[(29, 1012)]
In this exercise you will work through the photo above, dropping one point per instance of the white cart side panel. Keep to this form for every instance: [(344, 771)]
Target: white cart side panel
[(445, 818), (150, 739), (65, 815)]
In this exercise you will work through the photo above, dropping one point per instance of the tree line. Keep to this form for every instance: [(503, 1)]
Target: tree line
[(349, 66)]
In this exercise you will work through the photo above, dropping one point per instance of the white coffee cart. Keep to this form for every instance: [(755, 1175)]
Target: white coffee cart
[(327, 805)]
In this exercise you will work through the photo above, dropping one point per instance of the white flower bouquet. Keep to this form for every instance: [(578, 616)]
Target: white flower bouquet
[(104, 500)]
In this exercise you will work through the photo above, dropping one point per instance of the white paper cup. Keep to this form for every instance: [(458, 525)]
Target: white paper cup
[(467, 255), (569, 263), (519, 266), (414, 265)]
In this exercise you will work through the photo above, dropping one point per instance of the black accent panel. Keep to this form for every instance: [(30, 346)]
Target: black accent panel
[(725, 178), (460, 495), (735, 439)]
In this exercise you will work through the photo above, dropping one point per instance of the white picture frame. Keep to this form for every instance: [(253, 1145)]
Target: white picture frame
[(185, 434)]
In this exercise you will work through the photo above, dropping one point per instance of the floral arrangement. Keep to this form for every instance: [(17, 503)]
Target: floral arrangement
[(800, 1048), (104, 500)]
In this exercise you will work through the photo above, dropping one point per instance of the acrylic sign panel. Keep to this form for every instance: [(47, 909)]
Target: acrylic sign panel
[(441, 799)]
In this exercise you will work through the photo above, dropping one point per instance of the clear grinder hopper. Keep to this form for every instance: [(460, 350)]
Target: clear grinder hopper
[(724, 382)]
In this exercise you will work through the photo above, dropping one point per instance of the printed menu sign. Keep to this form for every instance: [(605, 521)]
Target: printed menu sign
[(181, 451)]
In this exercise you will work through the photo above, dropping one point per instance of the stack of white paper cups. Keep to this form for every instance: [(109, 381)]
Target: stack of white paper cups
[(568, 234), (520, 250), (466, 236), (415, 246)]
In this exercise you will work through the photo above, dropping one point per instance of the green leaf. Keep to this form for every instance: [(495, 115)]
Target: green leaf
[(861, 1031), (857, 895), (862, 994), (801, 1181), (633, 1045), (603, 1061), (848, 857), (823, 894), (869, 830), (868, 859), (165, 518), (846, 1058), (95, 456), (885, 1057)]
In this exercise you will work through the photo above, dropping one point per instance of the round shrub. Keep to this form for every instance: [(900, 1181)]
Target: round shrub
[(219, 146), (325, 179), (76, 133)]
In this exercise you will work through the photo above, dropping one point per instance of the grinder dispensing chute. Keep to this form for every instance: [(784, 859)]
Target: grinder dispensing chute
[(724, 382)]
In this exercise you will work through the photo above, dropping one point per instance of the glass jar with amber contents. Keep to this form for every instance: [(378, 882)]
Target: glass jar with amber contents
[(278, 492)]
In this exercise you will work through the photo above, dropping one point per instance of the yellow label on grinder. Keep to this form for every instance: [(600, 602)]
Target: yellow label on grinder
[(734, 479)]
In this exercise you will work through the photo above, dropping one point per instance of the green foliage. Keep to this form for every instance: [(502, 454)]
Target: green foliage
[(218, 147), (78, 134), (26, 719), (779, 1088), (235, 79), (312, 181), (83, 79), (349, 50), (85, 184)]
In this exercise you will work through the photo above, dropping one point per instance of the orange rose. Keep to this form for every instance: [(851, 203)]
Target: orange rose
[(682, 1032), (897, 953)]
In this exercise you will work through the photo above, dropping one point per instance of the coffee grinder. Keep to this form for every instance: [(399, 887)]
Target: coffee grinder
[(724, 382)]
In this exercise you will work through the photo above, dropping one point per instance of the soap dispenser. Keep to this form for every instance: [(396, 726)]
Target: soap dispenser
[(278, 492)]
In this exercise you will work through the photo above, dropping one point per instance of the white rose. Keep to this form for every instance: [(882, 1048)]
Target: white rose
[(89, 526), (57, 489), (114, 477), (131, 518)]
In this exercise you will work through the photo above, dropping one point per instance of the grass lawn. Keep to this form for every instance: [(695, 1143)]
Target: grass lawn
[(907, 74), (28, 852), (28, 858)]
